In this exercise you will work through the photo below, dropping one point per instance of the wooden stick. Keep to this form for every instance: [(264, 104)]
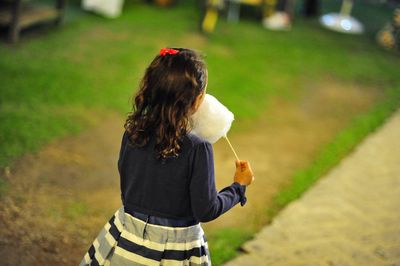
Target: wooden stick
[(230, 145)]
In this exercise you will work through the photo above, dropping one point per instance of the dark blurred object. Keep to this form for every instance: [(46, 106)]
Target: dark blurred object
[(389, 36), (18, 14), (392, 3), (164, 2), (311, 8)]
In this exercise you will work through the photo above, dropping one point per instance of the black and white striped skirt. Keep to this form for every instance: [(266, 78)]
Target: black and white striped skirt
[(129, 239)]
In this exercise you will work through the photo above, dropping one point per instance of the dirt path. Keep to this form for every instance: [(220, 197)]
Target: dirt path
[(60, 197), (350, 217)]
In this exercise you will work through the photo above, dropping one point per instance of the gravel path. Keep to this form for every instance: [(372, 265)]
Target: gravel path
[(350, 217)]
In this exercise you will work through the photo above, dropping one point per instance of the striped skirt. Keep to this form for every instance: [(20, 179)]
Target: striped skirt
[(129, 240)]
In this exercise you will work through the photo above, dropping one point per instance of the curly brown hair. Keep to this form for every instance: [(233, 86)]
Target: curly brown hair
[(162, 106)]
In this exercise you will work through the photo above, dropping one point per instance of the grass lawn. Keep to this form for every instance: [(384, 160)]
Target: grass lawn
[(58, 82), (53, 84)]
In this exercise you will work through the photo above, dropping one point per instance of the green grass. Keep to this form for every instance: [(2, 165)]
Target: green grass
[(224, 243), (76, 209), (56, 82)]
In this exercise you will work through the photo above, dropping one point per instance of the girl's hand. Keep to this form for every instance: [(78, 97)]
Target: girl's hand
[(244, 174)]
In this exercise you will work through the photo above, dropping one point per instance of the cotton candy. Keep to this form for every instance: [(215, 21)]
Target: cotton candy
[(212, 120)]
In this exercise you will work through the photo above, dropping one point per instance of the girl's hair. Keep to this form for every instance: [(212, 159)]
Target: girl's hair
[(165, 99)]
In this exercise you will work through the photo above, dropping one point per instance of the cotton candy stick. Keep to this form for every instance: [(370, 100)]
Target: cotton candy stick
[(230, 145)]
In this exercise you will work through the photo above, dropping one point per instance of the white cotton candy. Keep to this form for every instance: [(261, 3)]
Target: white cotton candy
[(212, 120)]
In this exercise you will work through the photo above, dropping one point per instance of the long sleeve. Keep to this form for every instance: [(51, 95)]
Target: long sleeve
[(122, 150), (208, 204), (120, 159)]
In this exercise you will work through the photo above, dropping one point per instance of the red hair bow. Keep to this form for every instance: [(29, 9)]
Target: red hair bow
[(165, 51)]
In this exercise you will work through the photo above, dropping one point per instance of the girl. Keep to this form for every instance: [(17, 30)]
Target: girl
[(166, 173)]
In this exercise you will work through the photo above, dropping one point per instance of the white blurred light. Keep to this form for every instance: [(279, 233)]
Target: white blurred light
[(346, 24), (342, 23)]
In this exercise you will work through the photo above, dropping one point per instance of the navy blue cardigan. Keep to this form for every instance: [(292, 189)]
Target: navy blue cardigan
[(179, 188)]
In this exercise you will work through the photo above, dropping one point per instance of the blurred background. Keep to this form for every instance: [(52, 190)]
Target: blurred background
[(306, 80)]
